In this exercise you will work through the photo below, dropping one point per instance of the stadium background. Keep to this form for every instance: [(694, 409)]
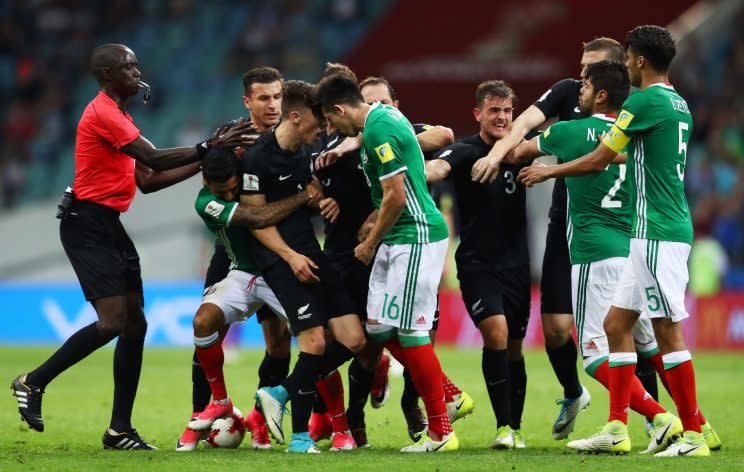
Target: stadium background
[(194, 53)]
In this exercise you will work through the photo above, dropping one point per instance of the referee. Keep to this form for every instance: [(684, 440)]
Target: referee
[(111, 158)]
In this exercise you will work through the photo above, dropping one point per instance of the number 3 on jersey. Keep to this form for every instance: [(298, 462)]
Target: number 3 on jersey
[(607, 201)]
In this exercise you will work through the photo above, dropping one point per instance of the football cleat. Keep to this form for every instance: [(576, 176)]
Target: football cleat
[(380, 391), (504, 438), (125, 441), (648, 427), (449, 442), (342, 442), (570, 408), (519, 442), (612, 438), (360, 437), (301, 443), (358, 428), (272, 401), (711, 437), (214, 410), (460, 407), (189, 440), (321, 426), (691, 444), (667, 427), (416, 422), (256, 424), (29, 402)]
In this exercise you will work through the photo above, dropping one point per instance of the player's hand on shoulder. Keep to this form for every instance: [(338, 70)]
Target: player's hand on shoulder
[(327, 158), (302, 267), (243, 133), (314, 193), (329, 209), (533, 174)]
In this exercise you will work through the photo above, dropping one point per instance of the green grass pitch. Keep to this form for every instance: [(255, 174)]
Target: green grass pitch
[(77, 407)]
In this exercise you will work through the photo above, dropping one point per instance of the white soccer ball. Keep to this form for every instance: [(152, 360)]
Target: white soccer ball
[(227, 432)]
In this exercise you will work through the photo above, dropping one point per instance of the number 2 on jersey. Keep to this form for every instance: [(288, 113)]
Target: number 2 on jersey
[(607, 201)]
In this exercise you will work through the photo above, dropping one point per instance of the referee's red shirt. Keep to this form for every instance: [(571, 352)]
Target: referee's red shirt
[(104, 174)]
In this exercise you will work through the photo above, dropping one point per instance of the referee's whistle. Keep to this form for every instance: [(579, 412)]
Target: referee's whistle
[(147, 93)]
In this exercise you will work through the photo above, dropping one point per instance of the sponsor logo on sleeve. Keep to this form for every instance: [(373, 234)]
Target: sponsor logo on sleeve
[(250, 182), (385, 152), (624, 119), (445, 153), (214, 209)]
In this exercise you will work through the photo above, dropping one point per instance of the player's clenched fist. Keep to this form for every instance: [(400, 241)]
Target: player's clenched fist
[(364, 252)]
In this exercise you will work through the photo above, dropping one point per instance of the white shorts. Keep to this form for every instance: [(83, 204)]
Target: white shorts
[(654, 279), (592, 288), (404, 284), (240, 294)]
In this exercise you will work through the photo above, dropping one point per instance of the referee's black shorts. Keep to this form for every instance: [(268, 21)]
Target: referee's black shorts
[(104, 258)]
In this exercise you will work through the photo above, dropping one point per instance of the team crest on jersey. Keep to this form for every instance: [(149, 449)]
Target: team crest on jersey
[(624, 119), (250, 182), (214, 209), (385, 152)]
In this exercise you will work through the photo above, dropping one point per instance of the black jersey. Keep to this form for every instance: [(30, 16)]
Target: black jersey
[(562, 101), (344, 181), (493, 216), (277, 173)]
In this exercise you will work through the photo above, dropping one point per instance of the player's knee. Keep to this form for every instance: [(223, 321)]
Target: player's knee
[(279, 346), (112, 324), (312, 341), (612, 326), (556, 334), (356, 342), (495, 336)]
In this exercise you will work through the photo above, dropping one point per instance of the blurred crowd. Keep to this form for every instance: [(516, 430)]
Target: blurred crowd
[(45, 44)]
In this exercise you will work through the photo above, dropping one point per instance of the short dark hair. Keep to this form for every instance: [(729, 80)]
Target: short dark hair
[(653, 43), (299, 94), (378, 81), (260, 75), (336, 68), (336, 90), (612, 77), (615, 50), (220, 164), (494, 88)]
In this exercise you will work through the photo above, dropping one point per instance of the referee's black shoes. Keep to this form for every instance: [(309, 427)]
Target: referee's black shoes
[(29, 402), (126, 441)]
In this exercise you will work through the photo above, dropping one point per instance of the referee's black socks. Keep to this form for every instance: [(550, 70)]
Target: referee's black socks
[(76, 348), (127, 367)]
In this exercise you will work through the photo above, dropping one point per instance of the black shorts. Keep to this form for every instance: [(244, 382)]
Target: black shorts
[(100, 251), (219, 266), (355, 279), (309, 305), (494, 292), (555, 284)]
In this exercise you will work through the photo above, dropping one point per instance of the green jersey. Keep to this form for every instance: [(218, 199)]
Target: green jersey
[(389, 147), (655, 124), (599, 205), (217, 214)]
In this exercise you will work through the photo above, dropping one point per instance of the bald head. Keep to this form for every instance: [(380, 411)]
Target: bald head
[(108, 56)]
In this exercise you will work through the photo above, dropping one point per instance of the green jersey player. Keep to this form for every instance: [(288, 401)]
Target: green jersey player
[(655, 125), (243, 291), (412, 239), (598, 233)]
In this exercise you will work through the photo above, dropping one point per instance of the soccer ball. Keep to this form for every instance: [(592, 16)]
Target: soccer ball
[(227, 432)]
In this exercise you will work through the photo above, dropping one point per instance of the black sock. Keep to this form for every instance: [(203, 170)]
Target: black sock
[(201, 394), (273, 370), (319, 405), (517, 391), (335, 355), (301, 387), (76, 348), (563, 360), (127, 367), (360, 383), (409, 398), (496, 374), (647, 375)]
